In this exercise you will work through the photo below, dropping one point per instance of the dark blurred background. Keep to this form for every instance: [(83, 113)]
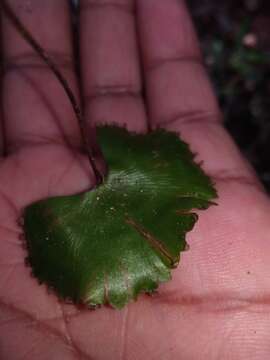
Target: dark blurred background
[(235, 39)]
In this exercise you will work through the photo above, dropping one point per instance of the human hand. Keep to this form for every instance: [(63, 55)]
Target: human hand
[(216, 306)]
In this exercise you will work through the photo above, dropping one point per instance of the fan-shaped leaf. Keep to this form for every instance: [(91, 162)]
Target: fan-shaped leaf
[(107, 245)]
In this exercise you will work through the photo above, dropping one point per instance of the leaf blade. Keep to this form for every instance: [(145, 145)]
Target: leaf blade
[(110, 244)]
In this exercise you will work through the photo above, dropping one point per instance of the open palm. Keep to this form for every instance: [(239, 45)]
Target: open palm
[(217, 305)]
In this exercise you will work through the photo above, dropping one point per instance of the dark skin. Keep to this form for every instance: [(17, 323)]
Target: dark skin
[(217, 305)]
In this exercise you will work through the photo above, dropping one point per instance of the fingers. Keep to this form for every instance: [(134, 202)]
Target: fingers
[(176, 81), (110, 64), (36, 108), (179, 96)]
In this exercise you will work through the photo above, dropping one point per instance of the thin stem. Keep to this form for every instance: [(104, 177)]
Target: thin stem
[(44, 55)]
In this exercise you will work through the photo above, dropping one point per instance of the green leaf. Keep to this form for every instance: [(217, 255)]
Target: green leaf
[(108, 245)]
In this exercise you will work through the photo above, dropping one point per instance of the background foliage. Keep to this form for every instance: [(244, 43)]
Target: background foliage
[(235, 39)]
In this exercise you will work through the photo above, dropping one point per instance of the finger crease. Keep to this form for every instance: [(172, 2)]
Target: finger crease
[(115, 91), (33, 61), (33, 141), (90, 5), (191, 117), (156, 64)]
